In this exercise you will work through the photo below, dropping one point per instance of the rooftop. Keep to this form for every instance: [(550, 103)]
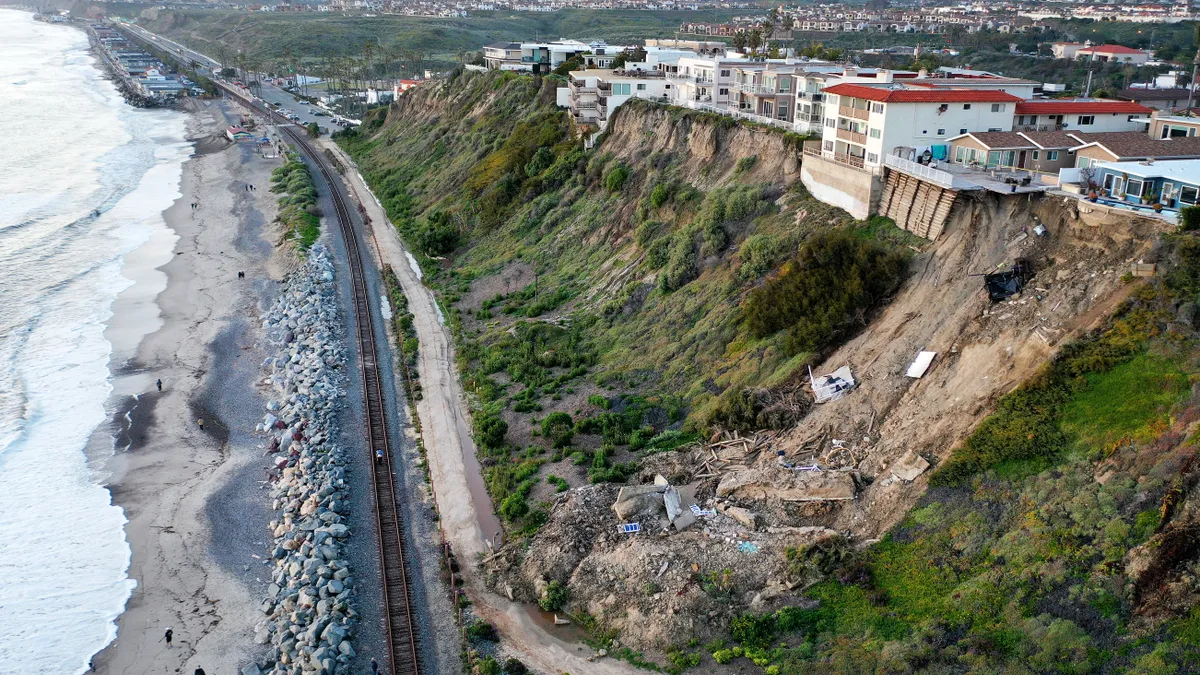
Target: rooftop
[(1180, 170), (896, 93), (1137, 145), (1075, 106), (1110, 49), (1149, 94)]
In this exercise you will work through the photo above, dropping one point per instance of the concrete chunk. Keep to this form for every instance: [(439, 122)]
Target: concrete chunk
[(908, 467), (786, 485)]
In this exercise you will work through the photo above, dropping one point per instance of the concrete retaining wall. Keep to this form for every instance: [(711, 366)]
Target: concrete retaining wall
[(843, 186)]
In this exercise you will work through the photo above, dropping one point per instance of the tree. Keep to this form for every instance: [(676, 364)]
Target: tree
[(490, 431), (313, 130), (739, 41)]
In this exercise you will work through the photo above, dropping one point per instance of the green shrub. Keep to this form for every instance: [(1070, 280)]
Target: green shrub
[(554, 597), (759, 254), (834, 279), (483, 630), (439, 236), (599, 401), (488, 666), (515, 667), (681, 262), (660, 195), (513, 507), (490, 431), (559, 429), (1189, 218), (753, 630), (723, 656), (746, 163), (616, 177)]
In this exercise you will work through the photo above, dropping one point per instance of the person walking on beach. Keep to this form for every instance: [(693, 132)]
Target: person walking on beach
[(167, 636), (200, 422), (374, 666), (159, 384)]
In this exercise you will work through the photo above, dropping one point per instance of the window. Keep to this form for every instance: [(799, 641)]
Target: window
[(872, 158), (1168, 190), (877, 107), (962, 131), (993, 158), (1134, 188), (1131, 118), (998, 107), (620, 89), (830, 123), (1035, 155), (924, 132), (723, 92), (1083, 162), (829, 145), (767, 108), (960, 154), (1087, 120), (966, 106), (641, 87), (1052, 155), (724, 73), (941, 132), (875, 133), (1188, 194), (994, 129)]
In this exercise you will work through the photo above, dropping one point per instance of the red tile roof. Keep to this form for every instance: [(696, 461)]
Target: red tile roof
[(920, 95), (1110, 49), (1070, 107)]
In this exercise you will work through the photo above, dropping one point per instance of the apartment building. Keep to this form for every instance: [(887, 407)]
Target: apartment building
[(592, 95), (765, 91), (863, 122), (707, 81), (543, 57), (1080, 114)]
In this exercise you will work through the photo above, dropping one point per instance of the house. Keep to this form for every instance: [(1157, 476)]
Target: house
[(1083, 114), (1169, 126), (1133, 146), (238, 134), (703, 80), (592, 95), (1039, 151), (1159, 99), (1066, 50), (1113, 53), (541, 57), (765, 91), (1173, 184), (863, 123)]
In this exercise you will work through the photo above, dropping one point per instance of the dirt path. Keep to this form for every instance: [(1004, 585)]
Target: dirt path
[(448, 444)]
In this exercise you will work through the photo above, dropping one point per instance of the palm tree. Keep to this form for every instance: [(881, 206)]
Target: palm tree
[(754, 40), (739, 41)]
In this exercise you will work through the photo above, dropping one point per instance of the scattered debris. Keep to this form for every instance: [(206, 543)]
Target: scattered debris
[(920, 364), (661, 500), (747, 547), (908, 467), (1003, 285), (775, 483), (1141, 269), (559, 621), (744, 516), (833, 386), (629, 528)]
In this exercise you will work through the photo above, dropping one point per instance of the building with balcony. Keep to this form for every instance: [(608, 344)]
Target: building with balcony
[(543, 57), (592, 95), (765, 92), (1087, 115), (863, 123), (699, 80)]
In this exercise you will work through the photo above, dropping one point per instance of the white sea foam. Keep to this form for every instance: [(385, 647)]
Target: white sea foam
[(83, 181)]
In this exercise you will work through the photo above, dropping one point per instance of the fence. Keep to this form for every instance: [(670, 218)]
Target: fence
[(935, 176)]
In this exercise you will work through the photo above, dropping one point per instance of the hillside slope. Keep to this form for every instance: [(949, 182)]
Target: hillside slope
[(613, 306)]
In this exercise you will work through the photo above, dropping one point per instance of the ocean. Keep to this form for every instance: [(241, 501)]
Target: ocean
[(83, 181)]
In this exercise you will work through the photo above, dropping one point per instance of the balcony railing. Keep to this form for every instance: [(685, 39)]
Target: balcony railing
[(583, 105), (692, 79), (848, 159), (1041, 127), (856, 113), (577, 88), (809, 117), (852, 136)]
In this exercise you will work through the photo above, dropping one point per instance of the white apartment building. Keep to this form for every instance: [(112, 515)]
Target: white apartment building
[(703, 82), (865, 122), (543, 57), (592, 95), (1080, 115)]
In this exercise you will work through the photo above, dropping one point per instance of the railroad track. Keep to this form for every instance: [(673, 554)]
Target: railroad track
[(401, 636)]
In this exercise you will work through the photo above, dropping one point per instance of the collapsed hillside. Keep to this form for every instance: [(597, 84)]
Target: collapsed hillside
[(616, 306)]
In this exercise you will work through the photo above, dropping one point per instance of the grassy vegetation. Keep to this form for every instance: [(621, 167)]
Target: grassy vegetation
[(298, 211), (1016, 563), (443, 40)]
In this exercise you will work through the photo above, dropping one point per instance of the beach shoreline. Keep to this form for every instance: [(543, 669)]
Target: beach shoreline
[(195, 506)]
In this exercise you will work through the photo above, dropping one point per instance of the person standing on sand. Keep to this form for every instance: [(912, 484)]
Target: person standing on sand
[(159, 384), (374, 666), (200, 422), (167, 636)]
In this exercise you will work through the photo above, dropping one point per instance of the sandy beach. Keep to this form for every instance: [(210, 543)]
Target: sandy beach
[(193, 496)]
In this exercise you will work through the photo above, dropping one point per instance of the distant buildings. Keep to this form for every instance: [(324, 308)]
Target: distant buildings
[(1113, 53)]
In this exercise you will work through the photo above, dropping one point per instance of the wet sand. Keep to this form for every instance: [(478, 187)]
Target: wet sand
[(196, 507)]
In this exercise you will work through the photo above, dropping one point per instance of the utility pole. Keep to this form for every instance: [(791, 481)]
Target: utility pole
[(1088, 90), (1192, 83)]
